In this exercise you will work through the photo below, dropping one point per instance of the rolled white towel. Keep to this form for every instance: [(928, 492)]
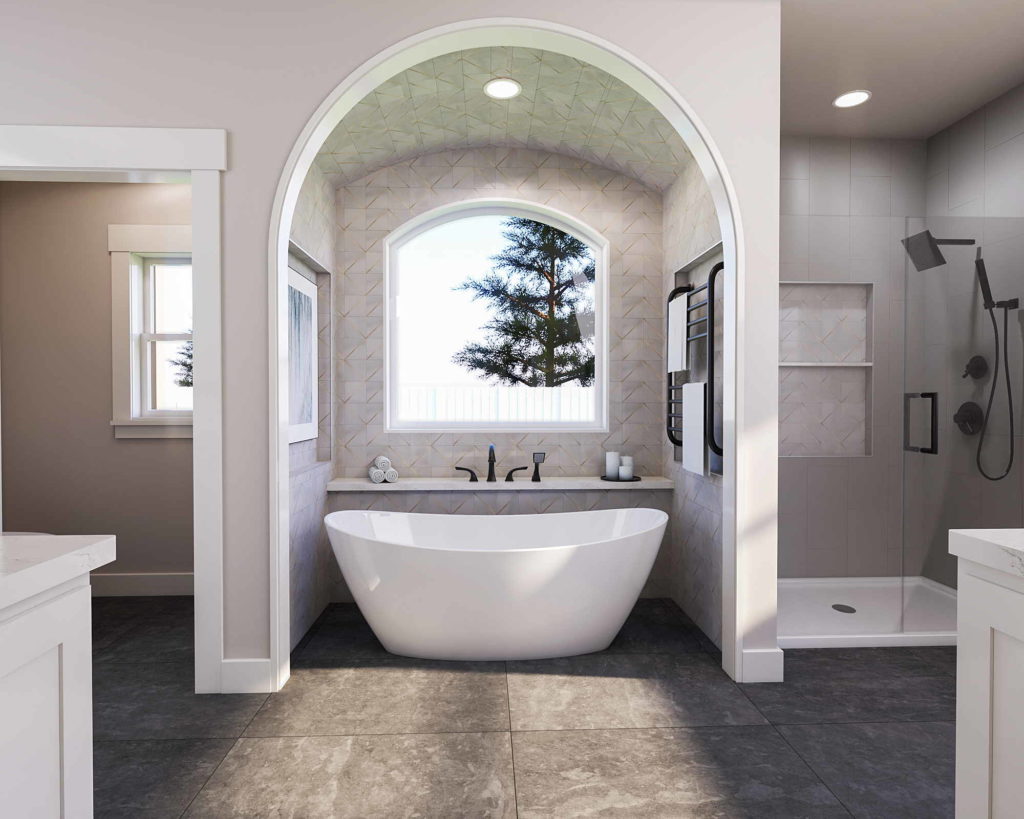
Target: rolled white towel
[(390, 475), (376, 475), (382, 462)]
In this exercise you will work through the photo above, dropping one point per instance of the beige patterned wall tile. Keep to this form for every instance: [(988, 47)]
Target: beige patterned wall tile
[(695, 533), (313, 222), (620, 208), (566, 107), (823, 410), (823, 322)]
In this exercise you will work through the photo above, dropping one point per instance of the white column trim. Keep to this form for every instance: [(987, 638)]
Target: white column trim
[(202, 153)]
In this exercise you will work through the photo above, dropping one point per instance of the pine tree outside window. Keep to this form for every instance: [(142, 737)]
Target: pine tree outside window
[(496, 322)]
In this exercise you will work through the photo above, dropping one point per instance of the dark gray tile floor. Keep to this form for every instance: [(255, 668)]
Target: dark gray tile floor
[(651, 727)]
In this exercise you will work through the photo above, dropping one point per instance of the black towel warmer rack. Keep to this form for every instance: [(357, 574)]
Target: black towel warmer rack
[(694, 333)]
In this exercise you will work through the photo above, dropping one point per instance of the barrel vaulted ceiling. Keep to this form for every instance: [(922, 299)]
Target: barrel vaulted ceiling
[(566, 106)]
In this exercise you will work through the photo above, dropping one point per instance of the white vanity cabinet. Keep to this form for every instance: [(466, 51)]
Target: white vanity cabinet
[(46, 673), (990, 673)]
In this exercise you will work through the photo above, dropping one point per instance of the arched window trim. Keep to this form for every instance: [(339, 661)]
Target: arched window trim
[(500, 207)]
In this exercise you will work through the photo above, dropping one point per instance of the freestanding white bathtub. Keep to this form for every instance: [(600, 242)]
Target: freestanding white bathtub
[(490, 587)]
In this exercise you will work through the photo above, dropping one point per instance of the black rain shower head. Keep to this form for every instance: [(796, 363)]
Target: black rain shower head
[(923, 249)]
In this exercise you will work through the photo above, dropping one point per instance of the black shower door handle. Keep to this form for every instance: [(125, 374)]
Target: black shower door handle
[(933, 447)]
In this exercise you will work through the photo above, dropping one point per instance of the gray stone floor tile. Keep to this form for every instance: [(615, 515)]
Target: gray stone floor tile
[(667, 772), (157, 701), (832, 663), (863, 698), (883, 770), (387, 696), (656, 626), (152, 778), (339, 640), (625, 691), (415, 775)]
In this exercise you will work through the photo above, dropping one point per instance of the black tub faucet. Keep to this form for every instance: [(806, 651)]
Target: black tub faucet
[(490, 464)]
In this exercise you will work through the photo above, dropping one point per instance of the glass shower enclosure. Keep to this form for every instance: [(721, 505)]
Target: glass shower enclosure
[(963, 381)]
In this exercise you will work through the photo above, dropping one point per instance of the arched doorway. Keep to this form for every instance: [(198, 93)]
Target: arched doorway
[(740, 617)]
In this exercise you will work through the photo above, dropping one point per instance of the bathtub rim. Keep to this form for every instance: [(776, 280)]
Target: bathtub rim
[(663, 522)]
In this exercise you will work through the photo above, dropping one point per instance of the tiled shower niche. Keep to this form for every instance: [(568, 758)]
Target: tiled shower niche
[(825, 369)]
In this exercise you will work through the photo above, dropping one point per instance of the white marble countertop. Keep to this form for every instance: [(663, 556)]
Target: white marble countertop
[(31, 564), (588, 483), (999, 549)]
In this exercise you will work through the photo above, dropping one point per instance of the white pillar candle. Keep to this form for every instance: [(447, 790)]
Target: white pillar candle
[(611, 465), (626, 472)]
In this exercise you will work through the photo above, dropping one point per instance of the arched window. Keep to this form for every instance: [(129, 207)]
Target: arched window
[(496, 321)]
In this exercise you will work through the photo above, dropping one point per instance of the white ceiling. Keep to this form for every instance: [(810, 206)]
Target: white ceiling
[(927, 62), (566, 106)]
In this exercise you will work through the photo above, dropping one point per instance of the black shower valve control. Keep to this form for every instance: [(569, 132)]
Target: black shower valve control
[(976, 368)]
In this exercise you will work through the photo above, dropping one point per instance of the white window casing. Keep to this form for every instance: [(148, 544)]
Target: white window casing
[(132, 248)]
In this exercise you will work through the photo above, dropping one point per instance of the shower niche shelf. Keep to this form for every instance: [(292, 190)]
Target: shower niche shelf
[(825, 369)]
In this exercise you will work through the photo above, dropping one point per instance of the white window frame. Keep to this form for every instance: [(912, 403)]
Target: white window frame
[(499, 207), (133, 248)]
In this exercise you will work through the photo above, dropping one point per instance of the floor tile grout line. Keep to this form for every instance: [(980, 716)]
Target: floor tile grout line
[(812, 769), (511, 745), (206, 781), (229, 750), (799, 756)]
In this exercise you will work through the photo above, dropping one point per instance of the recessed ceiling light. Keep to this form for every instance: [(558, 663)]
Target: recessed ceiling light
[(851, 99), (502, 88)]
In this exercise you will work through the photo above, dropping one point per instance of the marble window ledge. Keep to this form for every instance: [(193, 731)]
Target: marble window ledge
[(587, 483)]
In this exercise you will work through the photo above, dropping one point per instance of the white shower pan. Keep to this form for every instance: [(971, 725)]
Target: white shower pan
[(889, 611), (496, 587)]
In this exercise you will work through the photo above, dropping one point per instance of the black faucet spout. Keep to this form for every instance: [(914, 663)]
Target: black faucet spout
[(490, 464)]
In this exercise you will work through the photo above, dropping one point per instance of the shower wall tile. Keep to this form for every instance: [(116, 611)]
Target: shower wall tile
[(619, 207), (794, 197), (850, 411), (795, 159), (828, 248), (975, 169), (830, 176), (1004, 117), (871, 157), (870, 196)]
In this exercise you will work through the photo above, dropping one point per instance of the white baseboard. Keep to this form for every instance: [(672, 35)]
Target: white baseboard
[(141, 584), (762, 665), (246, 676)]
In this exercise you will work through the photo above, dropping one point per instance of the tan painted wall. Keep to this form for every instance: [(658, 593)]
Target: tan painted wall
[(63, 470)]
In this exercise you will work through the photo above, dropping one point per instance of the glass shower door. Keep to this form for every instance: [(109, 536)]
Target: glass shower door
[(949, 370)]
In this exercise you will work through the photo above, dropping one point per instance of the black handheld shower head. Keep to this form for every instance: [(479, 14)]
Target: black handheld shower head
[(986, 291), (923, 249)]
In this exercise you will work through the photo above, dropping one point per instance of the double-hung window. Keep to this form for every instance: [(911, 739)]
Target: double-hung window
[(151, 336), (164, 372)]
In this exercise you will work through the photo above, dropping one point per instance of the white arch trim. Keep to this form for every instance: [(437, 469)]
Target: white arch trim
[(499, 206), (741, 613)]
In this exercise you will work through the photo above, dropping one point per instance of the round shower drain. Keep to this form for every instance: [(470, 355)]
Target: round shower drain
[(845, 609)]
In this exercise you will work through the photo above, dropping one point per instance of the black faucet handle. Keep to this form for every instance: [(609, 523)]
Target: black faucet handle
[(538, 459), (511, 472), (472, 475)]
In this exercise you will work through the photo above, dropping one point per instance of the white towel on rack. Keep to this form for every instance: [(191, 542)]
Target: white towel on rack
[(675, 355), (694, 447)]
